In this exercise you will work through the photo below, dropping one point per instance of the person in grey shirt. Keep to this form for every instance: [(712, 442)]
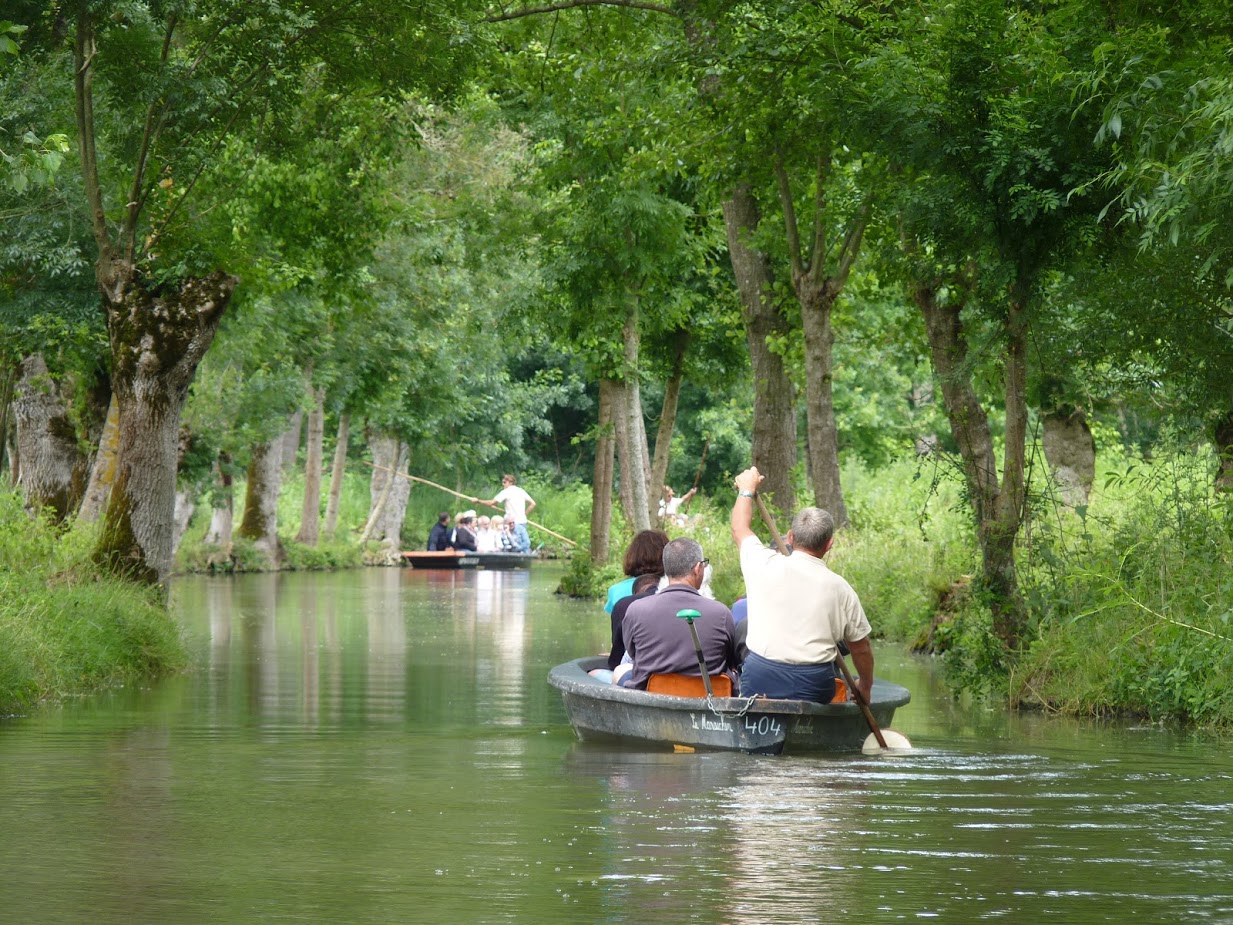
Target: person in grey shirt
[(659, 642)]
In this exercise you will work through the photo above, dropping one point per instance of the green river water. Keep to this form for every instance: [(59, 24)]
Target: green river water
[(381, 746)]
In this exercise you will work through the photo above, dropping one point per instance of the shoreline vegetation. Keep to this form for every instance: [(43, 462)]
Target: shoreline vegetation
[(1130, 596)]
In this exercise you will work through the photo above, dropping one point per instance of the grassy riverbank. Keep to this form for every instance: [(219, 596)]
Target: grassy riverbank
[(64, 629)]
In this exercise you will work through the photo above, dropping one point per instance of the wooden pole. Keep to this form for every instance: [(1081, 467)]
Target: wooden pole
[(468, 498), (698, 477)]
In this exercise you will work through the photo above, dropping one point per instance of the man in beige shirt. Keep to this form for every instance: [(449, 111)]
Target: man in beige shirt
[(799, 610)]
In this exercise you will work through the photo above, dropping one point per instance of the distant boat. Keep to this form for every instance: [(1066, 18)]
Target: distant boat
[(455, 559), (600, 711)]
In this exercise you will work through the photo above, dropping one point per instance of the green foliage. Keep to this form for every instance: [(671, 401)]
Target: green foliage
[(909, 542), (1133, 598), (66, 629), (579, 579)]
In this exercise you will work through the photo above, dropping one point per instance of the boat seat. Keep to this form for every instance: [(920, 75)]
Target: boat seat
[(683, 685)]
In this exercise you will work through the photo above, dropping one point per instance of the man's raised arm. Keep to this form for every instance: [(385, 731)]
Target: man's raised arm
[(742, 509)]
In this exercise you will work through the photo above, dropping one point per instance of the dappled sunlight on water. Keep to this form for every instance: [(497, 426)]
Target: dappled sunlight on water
[(381, 746)]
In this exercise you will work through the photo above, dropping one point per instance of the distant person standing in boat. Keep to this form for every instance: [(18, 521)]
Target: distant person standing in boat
[(799, 610), (439, 535), (670, 505), (517, 504), (660, 642)]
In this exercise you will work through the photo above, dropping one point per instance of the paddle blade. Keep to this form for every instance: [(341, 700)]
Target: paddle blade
[(896, 744)]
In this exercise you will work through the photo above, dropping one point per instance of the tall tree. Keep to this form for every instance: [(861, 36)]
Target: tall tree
[(187, 78)]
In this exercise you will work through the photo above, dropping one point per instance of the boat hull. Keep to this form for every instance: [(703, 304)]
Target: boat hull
[(600, 711), (452, 559)]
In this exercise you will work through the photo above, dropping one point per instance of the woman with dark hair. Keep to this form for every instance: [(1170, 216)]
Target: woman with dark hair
[(645, 556)]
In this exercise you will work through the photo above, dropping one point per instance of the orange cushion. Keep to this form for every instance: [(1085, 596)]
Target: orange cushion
[(841, 691), (683, 685)]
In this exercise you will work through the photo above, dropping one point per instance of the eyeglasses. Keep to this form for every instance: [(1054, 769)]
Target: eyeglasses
[(704, 562)]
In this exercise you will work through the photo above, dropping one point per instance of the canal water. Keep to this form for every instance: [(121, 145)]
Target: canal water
[(381, 746)]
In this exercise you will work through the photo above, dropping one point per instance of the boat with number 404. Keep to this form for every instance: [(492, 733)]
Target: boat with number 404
[(601, 711)]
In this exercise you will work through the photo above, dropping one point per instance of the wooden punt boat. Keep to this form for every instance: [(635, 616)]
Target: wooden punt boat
[(599, 711), (456, 559)]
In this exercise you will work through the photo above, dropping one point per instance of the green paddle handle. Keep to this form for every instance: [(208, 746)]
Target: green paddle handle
[(689, 615)]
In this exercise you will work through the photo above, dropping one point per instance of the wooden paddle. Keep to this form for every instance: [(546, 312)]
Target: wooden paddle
[(839, 659), (689, 616)]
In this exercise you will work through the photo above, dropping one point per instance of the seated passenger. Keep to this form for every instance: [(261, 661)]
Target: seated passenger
[(799, 610), (439, 535), (464, 536), (509, 541), (644, 586), (643, 556), (659, 642)]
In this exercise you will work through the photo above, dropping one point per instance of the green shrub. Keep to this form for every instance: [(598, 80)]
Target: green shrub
[(64, 627)]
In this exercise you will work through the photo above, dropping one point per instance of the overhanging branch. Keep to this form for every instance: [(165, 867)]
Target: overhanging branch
[(572, 4)]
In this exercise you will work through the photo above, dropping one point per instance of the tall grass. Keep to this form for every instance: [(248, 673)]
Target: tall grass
[(1133, 596), (65, 628)]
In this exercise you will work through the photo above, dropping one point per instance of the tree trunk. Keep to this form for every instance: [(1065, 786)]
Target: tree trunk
[(103, 472), (52, 467), (620, 431), (638, 470), (185, 506), (821, 428), (601, 484), (290, 445), (1222, 435), (157, 340), (260, 521), (336, 474), (817, 290), (667, 417), (222, 518), (998, 509), (8, 381), (774, 413), (388, 493), (311, 517), (1070, 451)]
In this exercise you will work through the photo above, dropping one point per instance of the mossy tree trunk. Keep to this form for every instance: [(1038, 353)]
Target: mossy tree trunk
[(997, 503), (157, 341), (774, 410), (53, 469), (103, 472), (260, 520)]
